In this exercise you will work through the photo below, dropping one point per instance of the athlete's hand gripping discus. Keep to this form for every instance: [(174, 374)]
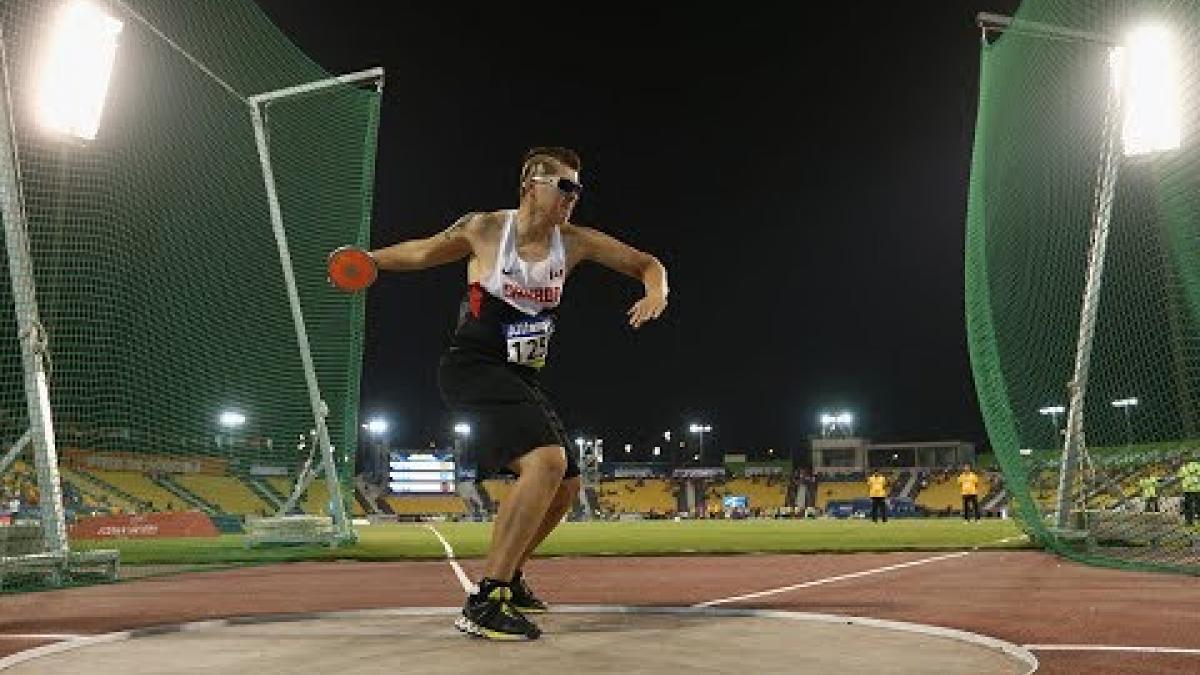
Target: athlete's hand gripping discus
[(352, 269)]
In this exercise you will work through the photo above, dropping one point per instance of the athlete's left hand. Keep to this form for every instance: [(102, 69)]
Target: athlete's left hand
[(649, 307)]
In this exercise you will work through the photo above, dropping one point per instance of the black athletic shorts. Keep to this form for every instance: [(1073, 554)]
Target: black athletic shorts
[(506, 408)]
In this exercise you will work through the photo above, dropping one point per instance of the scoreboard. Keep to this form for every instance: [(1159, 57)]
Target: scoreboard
[(421, 473)]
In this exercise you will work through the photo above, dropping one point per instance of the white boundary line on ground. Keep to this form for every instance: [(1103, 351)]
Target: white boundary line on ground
[(1017, 652), (64, 646), (1007, 539), (458, 570), (830, 580), (40, 636), (1113, 648)]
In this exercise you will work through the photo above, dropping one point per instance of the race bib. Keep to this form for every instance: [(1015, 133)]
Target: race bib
[(529, 341)]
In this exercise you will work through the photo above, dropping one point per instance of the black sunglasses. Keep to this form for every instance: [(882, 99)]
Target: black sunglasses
[(565, 185)]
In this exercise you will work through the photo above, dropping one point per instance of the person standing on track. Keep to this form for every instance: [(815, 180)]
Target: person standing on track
[(1148, 486), (877, 489), (1189, 484), (968, 484)]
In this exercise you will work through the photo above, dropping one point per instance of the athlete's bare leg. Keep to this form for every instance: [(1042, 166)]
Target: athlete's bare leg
[(554, 515), (540, 473)]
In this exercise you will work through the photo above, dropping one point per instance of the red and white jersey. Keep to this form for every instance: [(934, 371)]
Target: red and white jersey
[(531, 287)]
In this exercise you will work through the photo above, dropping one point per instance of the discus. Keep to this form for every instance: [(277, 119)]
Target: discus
[(351, 269)]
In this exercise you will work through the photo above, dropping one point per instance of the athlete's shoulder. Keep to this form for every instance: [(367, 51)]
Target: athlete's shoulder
[(575, 229), (477, 225), (575, 234)]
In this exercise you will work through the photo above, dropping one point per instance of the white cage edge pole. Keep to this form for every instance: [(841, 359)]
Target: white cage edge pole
[(1106, 186), (1106, 183), (30, 333), (320, 409), (368, 75)]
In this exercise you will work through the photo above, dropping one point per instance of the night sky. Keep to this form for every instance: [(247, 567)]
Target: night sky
[(803, 179)]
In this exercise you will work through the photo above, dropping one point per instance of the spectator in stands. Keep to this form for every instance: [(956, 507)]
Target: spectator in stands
[(1149, 488), (878, 491), (1189, 482), (968, 483)]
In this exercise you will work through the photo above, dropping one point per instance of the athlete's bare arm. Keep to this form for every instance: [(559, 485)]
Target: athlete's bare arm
[(590, 244), (468, 236)]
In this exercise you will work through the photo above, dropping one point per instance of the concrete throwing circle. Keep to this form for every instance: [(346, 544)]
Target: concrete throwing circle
[(577, 639)]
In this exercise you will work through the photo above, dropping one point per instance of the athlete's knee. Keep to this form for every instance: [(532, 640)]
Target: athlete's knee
[(554, 459), (547, 460)]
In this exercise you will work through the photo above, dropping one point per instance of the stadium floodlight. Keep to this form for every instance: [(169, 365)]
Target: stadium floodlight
[(377, 426), (76, 69), (845, 419), (628, 448), (657, 451), (1126, 404), (700, 429), (462, 429), (231, 419), (1053, 411), (1146, 74)]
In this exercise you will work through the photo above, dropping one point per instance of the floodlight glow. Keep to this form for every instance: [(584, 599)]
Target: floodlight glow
[(1052, 410), (1148, 78), (845, 419), (700, 428), (230, 419), (76, 69), (462, 429), (1124, 403), (376, 426), (826, 420), (657, 451)]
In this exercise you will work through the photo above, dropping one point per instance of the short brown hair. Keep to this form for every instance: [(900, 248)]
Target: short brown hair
[(565, 156)]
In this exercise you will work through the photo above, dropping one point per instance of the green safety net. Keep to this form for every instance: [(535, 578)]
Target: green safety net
[(173, 360), (1036, 183)]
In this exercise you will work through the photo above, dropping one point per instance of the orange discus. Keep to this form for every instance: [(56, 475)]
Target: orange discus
[(351, 269)]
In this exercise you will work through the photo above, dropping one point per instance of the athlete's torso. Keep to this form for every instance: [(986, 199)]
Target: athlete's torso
[(508, 313)]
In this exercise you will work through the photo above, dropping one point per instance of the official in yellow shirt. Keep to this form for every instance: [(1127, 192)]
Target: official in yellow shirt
[(968, 483), (878, 491)]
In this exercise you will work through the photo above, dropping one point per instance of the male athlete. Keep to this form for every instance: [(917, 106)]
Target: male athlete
[(517, 263)]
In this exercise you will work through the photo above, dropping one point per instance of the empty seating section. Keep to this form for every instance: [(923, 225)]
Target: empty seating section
[(95, 494), (759, 493), (630, 495), (828, 491), (139, 486), (227, 493), (316, 500)]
